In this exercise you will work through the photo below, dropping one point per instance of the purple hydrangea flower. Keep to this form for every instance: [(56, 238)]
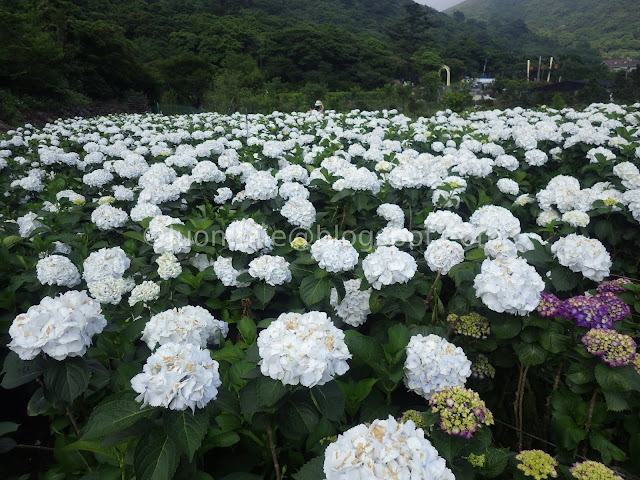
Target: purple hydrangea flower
[(616, 308), (614, 286), (549, 305), (587, 312)]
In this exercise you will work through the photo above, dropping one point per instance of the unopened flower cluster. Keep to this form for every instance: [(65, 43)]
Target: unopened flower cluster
[(472, 325), (482, 369), (461, 411), (590, 470), (305, 349), (385, 449), (537, 464), (615, 349)]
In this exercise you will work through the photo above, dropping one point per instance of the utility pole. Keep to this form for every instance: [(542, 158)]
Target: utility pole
[(539, 66), (528, 69), (550, 66)]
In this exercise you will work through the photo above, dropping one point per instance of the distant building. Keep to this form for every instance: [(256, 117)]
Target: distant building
[(625, 64)]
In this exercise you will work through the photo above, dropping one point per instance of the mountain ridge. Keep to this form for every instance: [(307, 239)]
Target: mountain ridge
[(612, 27)]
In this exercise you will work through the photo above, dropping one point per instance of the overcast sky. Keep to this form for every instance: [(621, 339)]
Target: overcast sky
[(440, 4)]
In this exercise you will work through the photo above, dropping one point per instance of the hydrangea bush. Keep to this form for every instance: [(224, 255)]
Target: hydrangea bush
[(356, 295)]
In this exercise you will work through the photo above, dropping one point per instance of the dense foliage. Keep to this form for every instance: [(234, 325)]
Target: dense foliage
[(232, 55), (611, 28), (320, 296)]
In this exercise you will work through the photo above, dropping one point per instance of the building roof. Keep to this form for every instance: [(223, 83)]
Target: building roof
[(622, 62)]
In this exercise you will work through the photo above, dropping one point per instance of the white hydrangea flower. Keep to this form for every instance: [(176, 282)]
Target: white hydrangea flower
[(354, 307), (107, 217), (27, 224), (305, 349), (144, 210), (110, 290), (576, 218), (168, 266), (247, 236), (546, 217), (146, 292), (227, 274), (440, 220), (105, 263), (524, 243), (500, 248), (523, 200), (443, 255), (508, 186), (536, 158), (222, 195), (433, 363), (584, 255), (392, 213), (291, 190), (57, 270), (509, 285), (387, 266), (190, 324), (177, 377), (391, 235), (385, 449), (299, 212), (274, 270), (201, 261), (261, 186), (207, 171), (334, 255), (496, 222), (629, 174), (61, 327)]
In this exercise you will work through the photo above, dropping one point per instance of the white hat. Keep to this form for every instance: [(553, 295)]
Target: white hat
[(318, 103)]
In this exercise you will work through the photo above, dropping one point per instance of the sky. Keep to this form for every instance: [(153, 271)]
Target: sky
[(439, 4)]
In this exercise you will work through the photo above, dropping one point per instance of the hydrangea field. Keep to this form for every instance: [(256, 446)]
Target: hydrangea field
[(323, 296)]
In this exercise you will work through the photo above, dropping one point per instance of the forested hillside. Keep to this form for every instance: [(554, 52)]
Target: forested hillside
[(222, 52), (611, 27)]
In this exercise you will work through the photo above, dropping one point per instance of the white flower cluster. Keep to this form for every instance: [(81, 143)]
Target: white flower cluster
[(261, 186), (274, 270), (334, 255), (442, 255), (57, 270), (391, 235), (146, 292), (178, 376), (584, 255), (354, 307), (433, 363), (299, 212), (60, 327), (496, 222), (107, 217), (103, 271), (392, 213), (509, 285), (247, 236), (188, 324), (223, 267), (305, 349), (168, 266), (385, 450), (166, 239), (388, 265), (508, 186)]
